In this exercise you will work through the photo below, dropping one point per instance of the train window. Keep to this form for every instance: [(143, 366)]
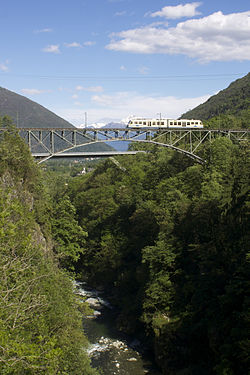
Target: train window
[(175, 122), (158, 123), (171, 123), (153, 123), (140, 122), (162, 123), (179, 122), (144, 123), (196, 123), (188, 123), (192, 123)]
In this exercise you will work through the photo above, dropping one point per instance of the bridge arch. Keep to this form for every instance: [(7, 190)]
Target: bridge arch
[(47, 143), (65, 151)]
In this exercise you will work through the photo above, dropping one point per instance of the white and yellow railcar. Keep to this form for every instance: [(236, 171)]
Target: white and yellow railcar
[(140, 122)]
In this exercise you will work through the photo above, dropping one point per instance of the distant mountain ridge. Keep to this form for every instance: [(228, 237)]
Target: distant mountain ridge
[(26, 113), (231, 103), (114, 125)]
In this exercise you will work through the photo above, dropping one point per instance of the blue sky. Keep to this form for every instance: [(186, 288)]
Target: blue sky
[(115, 58)]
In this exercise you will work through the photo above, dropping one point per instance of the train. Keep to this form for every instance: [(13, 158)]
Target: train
[(140, 122)]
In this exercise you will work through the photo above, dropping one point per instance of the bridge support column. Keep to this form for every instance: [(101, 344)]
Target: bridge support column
[(52, 145), (29, 140)]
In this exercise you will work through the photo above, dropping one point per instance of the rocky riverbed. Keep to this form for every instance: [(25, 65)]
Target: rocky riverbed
[(109, 350)]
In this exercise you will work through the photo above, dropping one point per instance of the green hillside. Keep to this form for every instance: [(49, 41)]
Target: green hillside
[(229, 108), (40, 317), (27, 114)]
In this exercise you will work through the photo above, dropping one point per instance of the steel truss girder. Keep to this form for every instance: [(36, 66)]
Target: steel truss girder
[(55, 141)]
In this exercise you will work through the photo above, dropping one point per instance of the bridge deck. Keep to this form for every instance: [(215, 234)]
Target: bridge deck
[(85, 154)]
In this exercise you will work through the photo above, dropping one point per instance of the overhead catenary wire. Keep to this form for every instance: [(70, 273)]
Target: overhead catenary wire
[(144, 77)]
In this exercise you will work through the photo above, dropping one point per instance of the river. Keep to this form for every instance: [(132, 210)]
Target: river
[(109, 350)]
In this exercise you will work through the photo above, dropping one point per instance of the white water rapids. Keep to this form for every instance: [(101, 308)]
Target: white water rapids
[(109, 351)]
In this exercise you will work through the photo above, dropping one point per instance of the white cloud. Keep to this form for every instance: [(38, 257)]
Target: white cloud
[(94, 89), (75, 96), (123, 104), (122, 13), (89, 43), (123, 68), (79, 88), (34, 91), (90, 88), (158, 23), (52, 48), (4, 66), (46, 30), (217, 37), (179, 11), (143, 70), (73, 45)]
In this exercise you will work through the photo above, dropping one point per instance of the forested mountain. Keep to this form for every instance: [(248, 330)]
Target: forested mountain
[(40, 323), (169, 241), (228, 108), (26, 113)]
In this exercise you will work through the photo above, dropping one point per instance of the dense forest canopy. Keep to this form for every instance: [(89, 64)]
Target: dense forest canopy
[(170, 239)]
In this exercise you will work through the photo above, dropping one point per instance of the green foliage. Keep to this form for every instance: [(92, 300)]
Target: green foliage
[(16, 158), (40, 325), (169, 241), (68, 235), (230, 121)]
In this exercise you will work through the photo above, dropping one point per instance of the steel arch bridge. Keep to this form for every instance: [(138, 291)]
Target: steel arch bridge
[(58, 142)]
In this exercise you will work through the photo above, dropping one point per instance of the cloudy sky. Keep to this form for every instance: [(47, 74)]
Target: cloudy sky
[(115, 58)]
